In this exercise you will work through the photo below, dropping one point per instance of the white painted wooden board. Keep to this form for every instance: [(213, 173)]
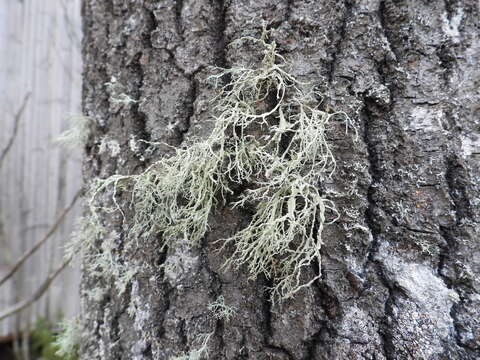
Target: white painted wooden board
[(40, 54)]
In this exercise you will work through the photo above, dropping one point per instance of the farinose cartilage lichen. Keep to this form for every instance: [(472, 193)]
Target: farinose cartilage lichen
[(269, 136)]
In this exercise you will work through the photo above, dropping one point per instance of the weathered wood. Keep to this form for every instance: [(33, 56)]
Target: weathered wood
[(40, 55)]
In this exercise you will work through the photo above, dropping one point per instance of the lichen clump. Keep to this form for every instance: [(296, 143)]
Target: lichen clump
[(68, 340), (271, 138)]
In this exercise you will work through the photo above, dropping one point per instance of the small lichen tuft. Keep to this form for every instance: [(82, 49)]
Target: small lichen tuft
[(198, 354), (78, 133), (220, 310), (68, 340)]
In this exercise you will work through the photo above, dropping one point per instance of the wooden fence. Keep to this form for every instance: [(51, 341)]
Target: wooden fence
[(40, 86)]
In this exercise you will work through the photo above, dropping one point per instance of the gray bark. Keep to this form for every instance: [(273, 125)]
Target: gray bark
[(400, 267)]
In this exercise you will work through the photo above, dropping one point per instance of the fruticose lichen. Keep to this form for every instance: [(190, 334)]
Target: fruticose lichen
[(197, 354), (221, 310), (78, 133), (68, 340), (270, 137)]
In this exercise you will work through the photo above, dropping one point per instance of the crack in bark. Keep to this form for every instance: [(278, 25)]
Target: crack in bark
[(457, 183), (221, 16), (268, 332), (288, 10), (331, 308), (443, 256), (178, 18), (193, 94), (181, 333), (166, 307), (276, 350), (267, 311), (449, 8), (447, 60), (375, 172), (461, 206), (314, 341), (140, 124), (383, 21), (347, 14)]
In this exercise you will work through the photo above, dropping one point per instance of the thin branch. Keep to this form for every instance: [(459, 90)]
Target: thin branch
[(38, 293), (16, 125), (33, 249)]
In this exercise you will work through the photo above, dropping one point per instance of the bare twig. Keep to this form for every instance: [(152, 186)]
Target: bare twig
[(38, 293), (16, 125), (33, 249), (5, 255)]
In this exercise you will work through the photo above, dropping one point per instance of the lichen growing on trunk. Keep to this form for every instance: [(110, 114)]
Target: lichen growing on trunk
[(271, 138)]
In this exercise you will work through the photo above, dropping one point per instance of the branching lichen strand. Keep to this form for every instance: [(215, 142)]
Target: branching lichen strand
[(270, 137)]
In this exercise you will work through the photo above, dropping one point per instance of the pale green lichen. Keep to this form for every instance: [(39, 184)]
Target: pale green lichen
[(221, 310), (86, 230), (198, 354), (117, 93), (78, 133), (109, 146), (68, 340), (103, 262), (269, 135)]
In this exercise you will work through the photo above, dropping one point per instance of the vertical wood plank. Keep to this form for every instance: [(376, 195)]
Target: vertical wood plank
[(39, 54)]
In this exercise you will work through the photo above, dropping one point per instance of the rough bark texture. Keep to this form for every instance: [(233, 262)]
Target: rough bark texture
[(401, 267)]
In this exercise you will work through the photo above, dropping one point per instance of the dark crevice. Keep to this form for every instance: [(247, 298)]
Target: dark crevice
[(216, 286), (161, 331), (193, 93), (316, 340), (221, 45), (341, 36), (450, 8), (215, 289), (331, 308), (448, 251), (140, 124), (267, 310), (445, 255), (178, 18), (370, 219), (174, 62), (447, 59), (385, 331), (398, 26), (267, 323), (456, 177), (419, 231), (114, 325), (329, 303), (148, 352), (275, 350), (384, 23), (376, 176), (288, 10), (182, 333), (220, 332), (152, 26)]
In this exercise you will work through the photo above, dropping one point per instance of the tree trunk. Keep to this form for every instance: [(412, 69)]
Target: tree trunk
[(400, 267)]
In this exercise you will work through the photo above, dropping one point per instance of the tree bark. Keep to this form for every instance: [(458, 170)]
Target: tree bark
[(400, 272)]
